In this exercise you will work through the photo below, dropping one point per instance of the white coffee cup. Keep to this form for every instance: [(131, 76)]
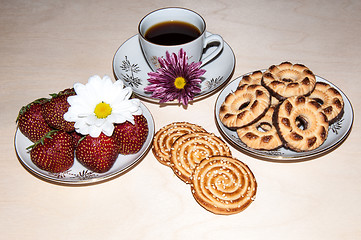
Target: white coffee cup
[(194, 48)]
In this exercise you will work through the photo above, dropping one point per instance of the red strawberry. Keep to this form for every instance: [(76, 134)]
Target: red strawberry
[(54, 152), (54, 110), (97, 154), (76, 138), (131, 137), (31, 122)]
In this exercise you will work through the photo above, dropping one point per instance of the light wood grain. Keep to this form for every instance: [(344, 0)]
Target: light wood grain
[(46, 46)]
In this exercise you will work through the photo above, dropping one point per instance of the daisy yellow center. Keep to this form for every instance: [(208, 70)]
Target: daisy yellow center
[(102, 110), (180, 82)]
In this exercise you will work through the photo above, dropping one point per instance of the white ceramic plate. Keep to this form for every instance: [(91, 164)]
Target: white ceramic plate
[(338, 131), (130, 66), (78, 174)]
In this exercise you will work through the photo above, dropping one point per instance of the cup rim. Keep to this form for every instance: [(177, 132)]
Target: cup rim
[(159, 9)]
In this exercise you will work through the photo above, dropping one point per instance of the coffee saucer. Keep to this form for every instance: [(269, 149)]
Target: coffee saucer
[(130, 66)]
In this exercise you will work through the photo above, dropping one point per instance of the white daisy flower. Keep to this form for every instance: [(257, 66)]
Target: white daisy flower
[(99, 104)]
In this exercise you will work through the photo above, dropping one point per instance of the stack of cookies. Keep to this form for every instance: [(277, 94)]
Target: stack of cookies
[(219, 182), (282, 107)]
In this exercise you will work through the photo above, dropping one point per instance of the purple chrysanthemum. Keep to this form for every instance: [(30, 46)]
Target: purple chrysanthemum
[(175, 79)]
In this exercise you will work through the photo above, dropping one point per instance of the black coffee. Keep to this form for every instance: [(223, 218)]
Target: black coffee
[(172, 33)]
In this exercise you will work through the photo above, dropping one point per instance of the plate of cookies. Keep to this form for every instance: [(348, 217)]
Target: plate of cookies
[(285, 112)]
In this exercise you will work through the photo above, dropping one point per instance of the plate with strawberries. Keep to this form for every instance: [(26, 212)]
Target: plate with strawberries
[(49, 149)]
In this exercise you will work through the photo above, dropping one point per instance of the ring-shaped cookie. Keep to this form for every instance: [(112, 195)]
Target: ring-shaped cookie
[(330, 99), (244, 106), (223, 185), (287, 80), (261, 135), (253, 78), (301, 123), (188, 150)]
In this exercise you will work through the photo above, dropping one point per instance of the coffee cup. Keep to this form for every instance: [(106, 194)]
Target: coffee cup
[(170, 29)]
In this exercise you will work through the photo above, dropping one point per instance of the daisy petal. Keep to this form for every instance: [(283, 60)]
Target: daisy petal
[(84, 111)]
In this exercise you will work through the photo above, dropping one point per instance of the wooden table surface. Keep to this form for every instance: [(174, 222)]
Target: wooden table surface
[(47, 46)]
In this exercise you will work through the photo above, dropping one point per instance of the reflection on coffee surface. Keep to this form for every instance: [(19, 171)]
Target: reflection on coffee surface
[(172, 33)]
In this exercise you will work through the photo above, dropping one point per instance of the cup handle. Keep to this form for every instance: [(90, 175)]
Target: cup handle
[(214, 38)]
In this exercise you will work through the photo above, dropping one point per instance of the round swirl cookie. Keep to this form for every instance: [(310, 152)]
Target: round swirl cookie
[(245, 106), (330, 99), (261, 135), (189, 149), (301, 123), (166, 136), (287, 80), (223, 185)]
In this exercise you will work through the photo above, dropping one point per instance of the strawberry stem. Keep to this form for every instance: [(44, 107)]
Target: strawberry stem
[(41, 141)]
